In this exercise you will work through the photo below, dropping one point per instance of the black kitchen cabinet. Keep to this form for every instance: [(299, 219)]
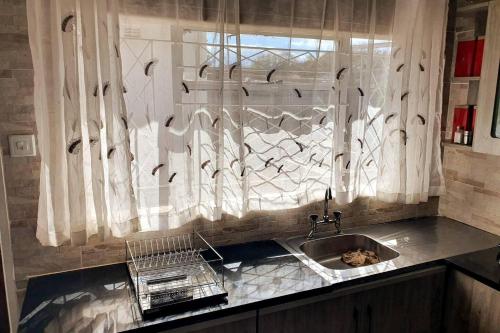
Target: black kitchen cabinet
[(340, 314), (241, 323), (406, 303), (412, 305), (410, 302), (471, 306)]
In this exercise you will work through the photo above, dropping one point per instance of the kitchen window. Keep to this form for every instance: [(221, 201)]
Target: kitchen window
[(278, 147)]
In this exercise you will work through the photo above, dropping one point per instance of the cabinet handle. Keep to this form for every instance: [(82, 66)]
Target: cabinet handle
[(369, 313), (355, 318)]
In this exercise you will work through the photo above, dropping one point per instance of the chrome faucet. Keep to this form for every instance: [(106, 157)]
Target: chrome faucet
[(328, 197), (313, 218)]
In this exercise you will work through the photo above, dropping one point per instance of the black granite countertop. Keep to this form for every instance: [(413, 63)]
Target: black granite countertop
[(483, 266), (101, 299), (257, 275)]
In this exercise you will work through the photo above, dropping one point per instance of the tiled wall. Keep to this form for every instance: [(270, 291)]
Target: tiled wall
[(22, 180), (472, 188), (17, 117), (472, 179)]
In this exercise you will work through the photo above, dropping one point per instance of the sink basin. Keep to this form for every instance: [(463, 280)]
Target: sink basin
[(328, 251)]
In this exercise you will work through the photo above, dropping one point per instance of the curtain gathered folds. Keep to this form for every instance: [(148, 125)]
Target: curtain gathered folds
[(227, 106), (410, 167), (85, 176)]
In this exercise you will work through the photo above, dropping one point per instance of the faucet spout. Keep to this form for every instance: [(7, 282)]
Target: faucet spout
[(326, 219), (328, 196)]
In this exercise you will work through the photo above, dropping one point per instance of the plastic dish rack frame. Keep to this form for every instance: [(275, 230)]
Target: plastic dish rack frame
[(175, 273)]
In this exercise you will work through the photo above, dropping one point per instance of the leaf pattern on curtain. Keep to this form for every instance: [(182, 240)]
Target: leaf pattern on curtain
[(251, 110), (411, 154), (83, 137)]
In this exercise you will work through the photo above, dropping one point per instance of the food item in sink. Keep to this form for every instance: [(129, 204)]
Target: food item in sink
[(360, 257)]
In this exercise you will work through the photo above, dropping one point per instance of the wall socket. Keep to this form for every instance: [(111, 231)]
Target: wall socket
[(22, 145)]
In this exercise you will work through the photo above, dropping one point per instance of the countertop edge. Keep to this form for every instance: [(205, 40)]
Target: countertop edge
[(473, 275)]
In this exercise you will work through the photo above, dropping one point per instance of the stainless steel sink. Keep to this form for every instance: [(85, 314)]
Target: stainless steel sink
[(328, 251)]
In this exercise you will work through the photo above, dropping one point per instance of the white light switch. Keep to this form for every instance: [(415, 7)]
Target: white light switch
[(22, 145)]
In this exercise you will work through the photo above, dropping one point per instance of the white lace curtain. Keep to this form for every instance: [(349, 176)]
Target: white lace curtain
[(234, 106), (85, 177)]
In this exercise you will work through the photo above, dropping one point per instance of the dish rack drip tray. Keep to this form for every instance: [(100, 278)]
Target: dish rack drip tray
[(175, 273)]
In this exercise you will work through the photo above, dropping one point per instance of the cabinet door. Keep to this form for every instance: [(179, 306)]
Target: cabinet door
[(407, 303), (339, 315), (413, 305), (484, 141), (240, 326), (241, 323), (471, 306)]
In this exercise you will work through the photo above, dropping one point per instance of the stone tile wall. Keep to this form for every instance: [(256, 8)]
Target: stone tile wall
[(22, 181), (17, 117), (472, 188)]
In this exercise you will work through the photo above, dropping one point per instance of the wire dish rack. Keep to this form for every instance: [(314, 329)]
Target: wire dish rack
[(175, 273)]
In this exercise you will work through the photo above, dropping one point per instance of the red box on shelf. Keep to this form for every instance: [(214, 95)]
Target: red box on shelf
[(469, 58), (464, 58), (478, 57), (464, 117)]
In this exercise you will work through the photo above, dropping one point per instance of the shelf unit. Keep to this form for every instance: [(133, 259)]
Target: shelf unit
[(466, 29), (457, 146), (464, 79), (473, 8)]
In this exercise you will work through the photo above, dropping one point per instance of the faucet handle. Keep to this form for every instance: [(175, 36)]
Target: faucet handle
[(337, 214), (313, 217)]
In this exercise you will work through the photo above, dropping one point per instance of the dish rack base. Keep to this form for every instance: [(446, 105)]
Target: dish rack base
[(173, 274)]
